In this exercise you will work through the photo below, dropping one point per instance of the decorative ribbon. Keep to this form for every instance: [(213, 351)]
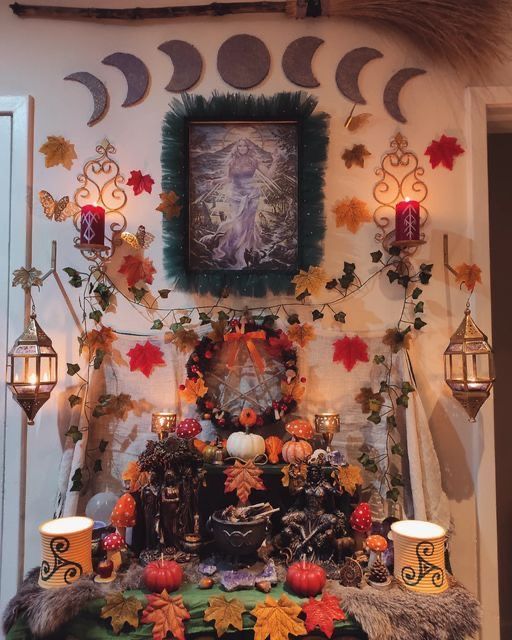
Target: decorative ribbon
[(237, 337)]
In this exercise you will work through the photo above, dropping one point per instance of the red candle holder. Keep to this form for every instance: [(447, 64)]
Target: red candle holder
[(407, 224), (92, 228)]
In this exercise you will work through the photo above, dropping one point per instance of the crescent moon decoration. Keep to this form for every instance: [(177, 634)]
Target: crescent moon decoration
[(393, 89), (98, 91), (349, 68), (187, 63), (243, 61), (297, 60), (135, 72)]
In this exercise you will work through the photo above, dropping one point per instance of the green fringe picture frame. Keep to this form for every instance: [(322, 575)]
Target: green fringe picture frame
[(248, 175)]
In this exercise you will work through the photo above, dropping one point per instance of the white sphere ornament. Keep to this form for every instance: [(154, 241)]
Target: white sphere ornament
[(101, 505)]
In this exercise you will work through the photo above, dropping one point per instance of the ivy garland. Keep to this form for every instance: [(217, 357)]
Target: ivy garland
[(276, 343)]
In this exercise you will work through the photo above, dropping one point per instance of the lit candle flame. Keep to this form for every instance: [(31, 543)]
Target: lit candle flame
[(32, 379)]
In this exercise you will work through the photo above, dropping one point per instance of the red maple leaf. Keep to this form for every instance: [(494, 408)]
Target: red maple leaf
[(349, 351), (278, 344), (145, 357), (322, 614), (136, 269), (444, 151), (140, 182)]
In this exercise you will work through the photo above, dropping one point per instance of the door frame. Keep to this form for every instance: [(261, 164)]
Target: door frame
[(13, 430)]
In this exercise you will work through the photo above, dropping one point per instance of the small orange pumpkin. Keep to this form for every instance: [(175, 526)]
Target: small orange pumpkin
[(248, 417), (273, 447), (296, 451)]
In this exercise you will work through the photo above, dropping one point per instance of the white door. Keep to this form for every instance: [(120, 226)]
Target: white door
[(15, 250)]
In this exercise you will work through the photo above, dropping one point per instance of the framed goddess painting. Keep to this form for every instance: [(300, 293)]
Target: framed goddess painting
[(247, 176)]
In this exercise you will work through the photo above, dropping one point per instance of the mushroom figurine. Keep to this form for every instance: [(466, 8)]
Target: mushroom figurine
[(300, 428), (123, 514), (361, 523), (113, 544), (188, 429), (377, 545)]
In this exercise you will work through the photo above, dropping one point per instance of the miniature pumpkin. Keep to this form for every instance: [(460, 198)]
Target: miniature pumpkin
[(273, 447), (208, 452), (247, 417), (296, 451), (163, 574), (305, 578), (245, 445)]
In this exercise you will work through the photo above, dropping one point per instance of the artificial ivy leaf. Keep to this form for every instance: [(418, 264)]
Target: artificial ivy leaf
[(379, 359), (349, 267), (168, 615), (418, 308), (394, 251), (270, 320), (403, 401), (391, 422), (376, 256), (97, 466), (392, 275), (176, 326), (407, 388), (157, 325), (419, 323), (404, 281), (317, 315), (426, 267), (393, 494), (121, 611), (332, 284), (74, 400), (293, 318), (397, 481), (340, 316), (96, 315), (369, 400), (76, 480), (425, 277), (346, 280), (205, 318), (416, 293), (72, 368), (223, 316), (138, 293), (164, 293), (322, 613), (75, 279), (103, 445), (225, 613), (374, 417), (74, 433), (185, 320), (368, 463), (243, 478), (302, 296), (98, 358), (277, 619), (383, 386), (103, 294), (397, 449)]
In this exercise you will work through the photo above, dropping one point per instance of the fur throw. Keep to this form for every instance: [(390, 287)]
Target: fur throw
[(46, 610), (400, 614)]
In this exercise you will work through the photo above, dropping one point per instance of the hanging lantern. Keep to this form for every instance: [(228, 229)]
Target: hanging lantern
[(32, 368), (469, 366)]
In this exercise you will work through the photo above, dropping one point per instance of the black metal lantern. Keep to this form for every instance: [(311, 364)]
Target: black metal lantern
[(469, 366), (32, 368)]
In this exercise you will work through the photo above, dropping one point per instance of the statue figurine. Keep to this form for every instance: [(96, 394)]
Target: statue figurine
[(169, 505), (315, 525), (150, 495)]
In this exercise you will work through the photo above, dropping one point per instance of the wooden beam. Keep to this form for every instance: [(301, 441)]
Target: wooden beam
[(147, 13)]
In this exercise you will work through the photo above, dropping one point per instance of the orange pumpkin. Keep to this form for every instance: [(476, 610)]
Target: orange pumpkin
[(296, 451), (273, 447), (248, 417)]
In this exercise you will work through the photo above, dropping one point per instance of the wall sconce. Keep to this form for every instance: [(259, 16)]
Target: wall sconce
[(469, 366), (327, 424), (163, 424), (32, 368)]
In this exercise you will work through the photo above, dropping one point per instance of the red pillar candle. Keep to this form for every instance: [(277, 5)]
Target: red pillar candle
[(92, 227), (407, 221)]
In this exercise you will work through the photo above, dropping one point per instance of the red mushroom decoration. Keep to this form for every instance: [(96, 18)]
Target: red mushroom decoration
[(300, 428), (361, 518), (188, 429), (123, 514), (113, 544)]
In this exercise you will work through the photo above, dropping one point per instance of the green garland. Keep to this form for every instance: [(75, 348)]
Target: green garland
[(313, 140)]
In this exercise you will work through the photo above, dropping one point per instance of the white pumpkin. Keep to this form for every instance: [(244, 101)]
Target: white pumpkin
[(245, 445)]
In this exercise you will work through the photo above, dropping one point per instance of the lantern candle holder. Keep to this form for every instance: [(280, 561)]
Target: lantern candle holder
[(419, 556), (32, 368), (327, 424), (163, 424), (66, 551)]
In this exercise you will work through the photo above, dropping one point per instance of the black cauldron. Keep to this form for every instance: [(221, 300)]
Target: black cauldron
[(238, 539)]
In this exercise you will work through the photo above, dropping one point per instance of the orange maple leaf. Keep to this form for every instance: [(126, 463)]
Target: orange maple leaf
[(301, 334), (313, 280), (167, 613), (295, 390), (193, 389), (243, 478), (58, 150), (135, 476), (99, 339), (348, 477), (351, 213), (277, 619), (468, 275), (136, 269), (169, 205)]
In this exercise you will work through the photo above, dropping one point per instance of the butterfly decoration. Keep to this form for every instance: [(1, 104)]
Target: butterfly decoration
[(57, 210), (139, 240)]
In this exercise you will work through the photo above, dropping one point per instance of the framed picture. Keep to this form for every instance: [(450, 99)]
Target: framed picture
[(249, 188)]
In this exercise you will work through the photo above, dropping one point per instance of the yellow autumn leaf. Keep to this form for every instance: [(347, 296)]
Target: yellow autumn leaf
[(351, 213), (313, 280), (184, 339), (295, 390), (169, 205), (193, 389), (348, 477), (225, 613), (121, 610), (277, 620), (57, 150), (301, 334)]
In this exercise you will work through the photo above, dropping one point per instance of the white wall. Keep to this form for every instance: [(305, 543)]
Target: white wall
[(35, 56)]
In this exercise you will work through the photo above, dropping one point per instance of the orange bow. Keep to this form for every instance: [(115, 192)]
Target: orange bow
[(238, 336)]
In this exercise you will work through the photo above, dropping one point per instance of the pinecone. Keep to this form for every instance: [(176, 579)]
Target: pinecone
[(378, 572)]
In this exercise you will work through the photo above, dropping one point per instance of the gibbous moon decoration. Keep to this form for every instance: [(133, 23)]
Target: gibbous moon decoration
[(187, 63), (297, 61), (98, 91), (243, 61), (135, 72), (393, 88), (349, 68)]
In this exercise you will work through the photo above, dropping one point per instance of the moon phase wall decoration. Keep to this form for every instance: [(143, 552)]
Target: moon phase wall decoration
[(243, 61), (187, 63), (393, 89), (349, 68), (135, 72), (297, 61), (98, 91)]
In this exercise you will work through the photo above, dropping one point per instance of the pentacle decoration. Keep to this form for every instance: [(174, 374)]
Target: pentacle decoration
[(244, 364)]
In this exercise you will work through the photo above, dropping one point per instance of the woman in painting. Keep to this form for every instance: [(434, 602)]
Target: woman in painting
[(239, 243)]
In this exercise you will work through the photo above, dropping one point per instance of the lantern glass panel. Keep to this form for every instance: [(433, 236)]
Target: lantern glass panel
[(456, 371)]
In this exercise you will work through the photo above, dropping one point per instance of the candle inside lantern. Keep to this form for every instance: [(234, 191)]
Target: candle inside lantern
[(163, 423), (407, 221), (92, 227)]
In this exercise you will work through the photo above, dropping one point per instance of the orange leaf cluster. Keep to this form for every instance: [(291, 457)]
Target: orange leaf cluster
[(301, 334), (225, 613), (99, 339), (168, 615), (313, 281), (135, 476), (243, 478), (57, 150), (294, 390), (193, 389), (169, 205), (184, 340), (351, 213), (277, 619), (348, 477), (137, 269), (468, 275)]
